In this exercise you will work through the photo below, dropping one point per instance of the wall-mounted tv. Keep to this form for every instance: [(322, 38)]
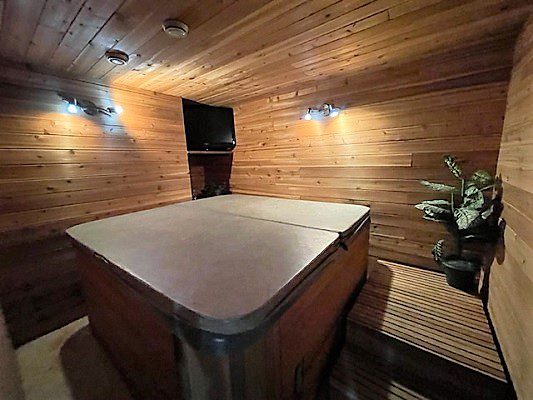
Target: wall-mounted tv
[(208, 128)]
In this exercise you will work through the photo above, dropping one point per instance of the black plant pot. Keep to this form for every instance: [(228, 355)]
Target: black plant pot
[(460, 273)]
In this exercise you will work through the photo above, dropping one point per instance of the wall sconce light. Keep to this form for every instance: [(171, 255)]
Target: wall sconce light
[(327, 110), (72, 108), (334, 112), (118, 109), (72, 105), (88, 106)]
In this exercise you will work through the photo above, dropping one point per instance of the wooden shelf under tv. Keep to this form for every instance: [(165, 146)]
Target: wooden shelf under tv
[(209, 152)]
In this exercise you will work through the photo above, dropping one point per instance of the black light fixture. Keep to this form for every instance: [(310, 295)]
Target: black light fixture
[(88, 107), (117, 57)]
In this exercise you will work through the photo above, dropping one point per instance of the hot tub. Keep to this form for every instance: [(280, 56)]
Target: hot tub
[(233, 297)]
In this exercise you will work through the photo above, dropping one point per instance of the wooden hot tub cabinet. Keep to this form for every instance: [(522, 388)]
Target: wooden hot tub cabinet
[(276, 345)]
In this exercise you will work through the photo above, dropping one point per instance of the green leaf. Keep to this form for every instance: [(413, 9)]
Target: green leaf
[(473, 198), (438, 187), (465, 217), (444, 203), (487, 213), (482, 178), (438, 250), (454, 168), (431, 209), (470, 189)]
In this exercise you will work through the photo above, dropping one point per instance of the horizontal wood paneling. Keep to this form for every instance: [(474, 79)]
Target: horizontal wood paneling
[(243, 50), (511, 277), (57, 170), (393, 131)]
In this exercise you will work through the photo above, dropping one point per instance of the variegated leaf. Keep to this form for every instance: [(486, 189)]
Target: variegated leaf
[(465, 217), (454, 168), (482, 178), (438, 187)]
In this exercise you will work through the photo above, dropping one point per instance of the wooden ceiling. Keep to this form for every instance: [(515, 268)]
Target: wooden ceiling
[(241, 50)]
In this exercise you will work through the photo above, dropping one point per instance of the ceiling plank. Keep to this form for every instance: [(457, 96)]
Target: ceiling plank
[(241, 50), (198, 40), (54, 22), (273, 23), (91, 18), (264, 62), (127, 20), (149, 39), (374, 54), (20, 20)]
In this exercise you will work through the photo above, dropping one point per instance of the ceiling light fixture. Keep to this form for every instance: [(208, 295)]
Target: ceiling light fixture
[(117, 57), (175, 28), (327, 110)]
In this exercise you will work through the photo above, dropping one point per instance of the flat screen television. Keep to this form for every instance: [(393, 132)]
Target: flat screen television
[(208, 128)]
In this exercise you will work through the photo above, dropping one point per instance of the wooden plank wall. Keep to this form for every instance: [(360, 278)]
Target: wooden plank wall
[(394, 129), (58, 169), (511, 279)]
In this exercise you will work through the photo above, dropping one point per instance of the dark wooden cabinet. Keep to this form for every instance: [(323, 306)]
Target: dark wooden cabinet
[(209, 170)]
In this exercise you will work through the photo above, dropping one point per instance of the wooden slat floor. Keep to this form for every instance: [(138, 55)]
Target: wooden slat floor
[(418, 307), (363, 377)]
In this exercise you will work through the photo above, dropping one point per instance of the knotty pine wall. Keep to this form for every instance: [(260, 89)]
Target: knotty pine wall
[(511, 278), (58, 170), (395, 128)]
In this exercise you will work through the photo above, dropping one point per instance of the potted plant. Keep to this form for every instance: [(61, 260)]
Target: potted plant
[(470, 211), (213, 189)]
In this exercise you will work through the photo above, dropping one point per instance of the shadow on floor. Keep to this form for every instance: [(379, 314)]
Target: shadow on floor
[(88, 370)]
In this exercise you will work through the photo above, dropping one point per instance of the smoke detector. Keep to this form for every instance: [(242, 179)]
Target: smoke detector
[(117, 57), (175, 28)]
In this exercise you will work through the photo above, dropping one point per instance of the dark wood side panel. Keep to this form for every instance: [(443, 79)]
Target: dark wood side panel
[(40, 287), (138, 339), (209, 170), (58, 170), (310, 328)]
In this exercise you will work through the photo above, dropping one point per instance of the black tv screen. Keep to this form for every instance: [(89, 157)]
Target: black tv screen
[(208, 128)]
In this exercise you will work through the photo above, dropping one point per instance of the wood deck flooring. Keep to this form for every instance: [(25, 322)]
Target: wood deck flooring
[(418, 307)]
